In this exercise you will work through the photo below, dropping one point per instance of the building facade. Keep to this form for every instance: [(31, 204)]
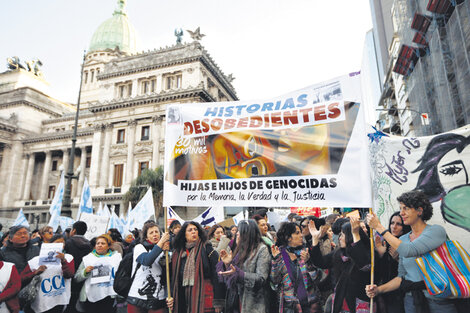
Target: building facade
[(121, 119), (427, 86)]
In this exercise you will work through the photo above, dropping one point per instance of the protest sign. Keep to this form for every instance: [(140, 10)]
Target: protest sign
[(306, 211), (96, 224), (303, 148), (48, 252), (439, 165)]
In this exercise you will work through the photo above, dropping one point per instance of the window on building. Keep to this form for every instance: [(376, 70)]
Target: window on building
[(92, 76), (86, 77), (120, 135), (145, 133), (51, 192), (118, 170), (88, 162), (43, 218), (54, 165), (178, 80), (129, 89), (145, 87), (143, 166), (168, 82), (121, 91), (97, 71), (153, 84)]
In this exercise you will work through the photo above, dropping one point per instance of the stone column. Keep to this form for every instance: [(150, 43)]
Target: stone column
[(81, 177), (12, 181), (24, 171), (156, 138), (6, 159), (130, 151), (105, 158), (29, 177), (45, 176), (65, 159), (96, 156)]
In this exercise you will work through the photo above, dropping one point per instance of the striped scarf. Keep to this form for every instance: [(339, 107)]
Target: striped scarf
[(195, 293)]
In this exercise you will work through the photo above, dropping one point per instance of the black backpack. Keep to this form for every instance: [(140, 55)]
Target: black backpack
[(123, 278)]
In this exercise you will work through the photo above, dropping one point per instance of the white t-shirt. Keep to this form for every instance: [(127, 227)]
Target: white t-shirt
[(104, 270), (5, 273), (147, 282), (54, 289)]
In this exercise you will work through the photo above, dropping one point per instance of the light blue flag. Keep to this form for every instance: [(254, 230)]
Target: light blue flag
[(143, 211), (86, 206), (66, 222), (129, 221), (56, 205), (100, 210), (115, 222), (21, 219)]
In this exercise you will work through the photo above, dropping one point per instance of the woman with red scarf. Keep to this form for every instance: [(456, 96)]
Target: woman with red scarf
[(195, 286)]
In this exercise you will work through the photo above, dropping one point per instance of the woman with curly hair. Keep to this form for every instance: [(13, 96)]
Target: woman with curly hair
[(415, 210)]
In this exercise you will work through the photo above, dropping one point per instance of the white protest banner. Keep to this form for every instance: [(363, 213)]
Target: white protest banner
[(86, 205), (56, 204), (274, 219), (211, 216), (439, 165), (96, 224), (306, 148)]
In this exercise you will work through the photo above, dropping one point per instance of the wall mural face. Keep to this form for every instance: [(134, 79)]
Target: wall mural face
[(438, 165)]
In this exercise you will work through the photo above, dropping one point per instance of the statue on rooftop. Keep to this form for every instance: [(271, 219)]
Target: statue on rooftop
[(14, 63), (196, 35), (230, 77), (179, 35), (33, 66)]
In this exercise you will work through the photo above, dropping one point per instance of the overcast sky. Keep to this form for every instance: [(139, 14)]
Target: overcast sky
[(271, 46)]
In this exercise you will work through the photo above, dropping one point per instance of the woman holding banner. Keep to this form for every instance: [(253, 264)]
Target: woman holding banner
[(54, 291), (97, 270), (350, 265), (246, 273), (298, 292), (415, 210), (147, 293), (195, 285)]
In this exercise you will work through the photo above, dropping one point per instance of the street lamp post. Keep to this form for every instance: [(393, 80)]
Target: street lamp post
[(69, 175)]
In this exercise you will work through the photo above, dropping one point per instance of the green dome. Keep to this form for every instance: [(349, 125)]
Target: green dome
[(116, 31)]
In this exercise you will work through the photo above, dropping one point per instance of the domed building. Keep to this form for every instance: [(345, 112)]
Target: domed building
[(120, 132)]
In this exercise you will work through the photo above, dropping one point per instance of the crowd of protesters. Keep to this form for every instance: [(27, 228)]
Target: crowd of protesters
[(309, 264)]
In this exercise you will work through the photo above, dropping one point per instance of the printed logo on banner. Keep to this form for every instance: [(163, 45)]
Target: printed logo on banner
[(286, 151)]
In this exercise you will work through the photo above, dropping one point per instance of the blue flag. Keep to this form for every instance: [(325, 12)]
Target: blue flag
[(21, 219), (86, 205), (56, 205)]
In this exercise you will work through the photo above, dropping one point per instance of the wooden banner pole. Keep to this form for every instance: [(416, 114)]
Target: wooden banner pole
[(372, 263), (167, 259)]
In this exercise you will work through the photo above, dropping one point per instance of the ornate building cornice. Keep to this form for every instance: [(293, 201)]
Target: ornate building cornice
[(68, 117), (28, 103), (163, 96), (59, 135)]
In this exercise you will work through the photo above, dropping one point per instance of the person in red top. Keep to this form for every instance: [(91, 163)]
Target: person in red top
[(10, 285)]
